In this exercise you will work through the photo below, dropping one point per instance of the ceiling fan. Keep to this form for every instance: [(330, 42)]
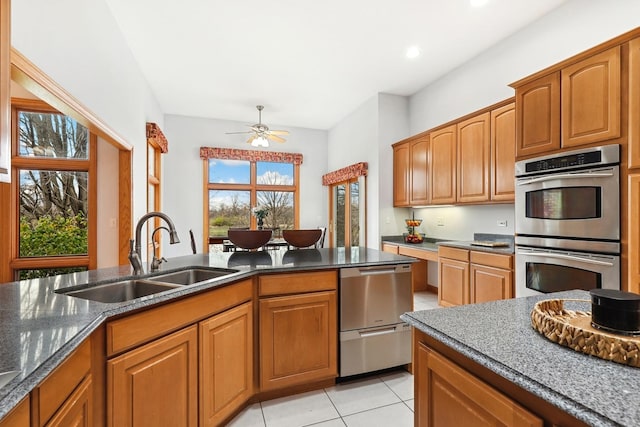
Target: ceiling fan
[(261, 134)]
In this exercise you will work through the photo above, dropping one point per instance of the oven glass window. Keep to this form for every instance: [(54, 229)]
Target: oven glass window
[(564, 203), (554, 278)]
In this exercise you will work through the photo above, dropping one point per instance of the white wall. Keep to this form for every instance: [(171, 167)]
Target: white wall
[(574, 27), (182, 191), (79, 45), (107, 221), (366, 135)]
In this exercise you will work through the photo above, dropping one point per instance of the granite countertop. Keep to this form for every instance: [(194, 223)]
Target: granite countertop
[(40, 327), (430, 244), (498, 335)]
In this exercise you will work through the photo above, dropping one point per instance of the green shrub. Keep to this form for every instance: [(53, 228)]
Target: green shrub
[(48, 236)]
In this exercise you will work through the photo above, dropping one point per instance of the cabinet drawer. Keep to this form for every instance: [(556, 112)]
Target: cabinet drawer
[(386, 247), (492, 260), (418, 253), (131, 331), (59, 385), (295, 283), (453, 253)]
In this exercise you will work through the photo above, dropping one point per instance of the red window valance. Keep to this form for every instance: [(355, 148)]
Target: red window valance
[(156, 138), (345, 174), (251, 155)]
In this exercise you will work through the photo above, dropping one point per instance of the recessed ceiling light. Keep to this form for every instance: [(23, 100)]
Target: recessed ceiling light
[(413, 52), (478, 3)]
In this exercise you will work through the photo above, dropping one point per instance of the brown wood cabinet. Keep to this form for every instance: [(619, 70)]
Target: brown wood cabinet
[(65, 397), (226, 363), (575, 105), (591, 99), (19, 416), (633, 226), (491, 276), (503, 153), (155, 384), (298, 312), (538, 116), (442, 170), (474, 158), (410, 166), (469, 277), (401, 171), (447, 395), (634, 104), (453, 276)]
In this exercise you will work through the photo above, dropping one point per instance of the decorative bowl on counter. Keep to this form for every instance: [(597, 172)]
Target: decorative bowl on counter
[(249, 239), (413, 238)]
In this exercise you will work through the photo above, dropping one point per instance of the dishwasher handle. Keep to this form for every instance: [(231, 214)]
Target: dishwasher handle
[(376, 270)]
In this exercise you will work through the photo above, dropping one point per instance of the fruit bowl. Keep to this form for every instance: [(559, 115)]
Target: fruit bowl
[(413, 222), (413, 238)]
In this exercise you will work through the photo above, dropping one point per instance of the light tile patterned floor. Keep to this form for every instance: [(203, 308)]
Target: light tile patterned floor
[(383, 400)]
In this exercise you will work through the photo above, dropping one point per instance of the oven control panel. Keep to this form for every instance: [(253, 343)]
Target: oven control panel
[(595, 156)]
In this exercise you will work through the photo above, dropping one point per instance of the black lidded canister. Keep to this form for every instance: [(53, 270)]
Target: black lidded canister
[(615, 311)]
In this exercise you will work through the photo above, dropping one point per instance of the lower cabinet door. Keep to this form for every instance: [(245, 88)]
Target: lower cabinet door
[(447, 395), (155, 384), (490, 284), (77, 409), (298, 339), (226, 363), (453, 282)]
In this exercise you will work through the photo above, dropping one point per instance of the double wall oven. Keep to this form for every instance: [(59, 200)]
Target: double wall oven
[(568, 221)]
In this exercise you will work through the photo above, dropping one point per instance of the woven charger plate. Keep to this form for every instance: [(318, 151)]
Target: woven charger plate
[(573, 329)]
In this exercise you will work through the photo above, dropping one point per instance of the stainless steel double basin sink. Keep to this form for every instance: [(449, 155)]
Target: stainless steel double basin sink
[(126, 290)]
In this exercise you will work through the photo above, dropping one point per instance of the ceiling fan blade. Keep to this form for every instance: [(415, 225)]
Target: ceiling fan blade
[(251, 138), (275, 138), (279, 132), (232, 133)]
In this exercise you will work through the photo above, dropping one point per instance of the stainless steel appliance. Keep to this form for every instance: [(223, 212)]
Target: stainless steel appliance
[(568, 221), (372, 336)]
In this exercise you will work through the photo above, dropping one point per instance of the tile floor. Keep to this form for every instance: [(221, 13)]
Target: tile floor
[(384, 399)]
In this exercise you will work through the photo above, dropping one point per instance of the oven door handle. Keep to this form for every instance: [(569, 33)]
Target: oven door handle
[(568, 257), (566, 176)]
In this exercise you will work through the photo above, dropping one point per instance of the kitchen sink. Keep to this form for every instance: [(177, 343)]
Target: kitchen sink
[(6, 377), (120, 291), (191, 276)]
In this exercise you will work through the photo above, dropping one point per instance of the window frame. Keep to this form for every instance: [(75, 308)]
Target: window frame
[(89, 165), (253, 187)]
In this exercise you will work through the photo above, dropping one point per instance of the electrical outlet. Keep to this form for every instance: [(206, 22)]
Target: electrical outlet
[(440, 222), (502, 223)]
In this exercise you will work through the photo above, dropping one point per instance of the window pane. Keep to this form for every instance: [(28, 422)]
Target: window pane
[(281, 211), (53, 213), (46, 272), (51, 135), (228, 209), (229, 171), (272, 173), (355, 213), (341, 212)]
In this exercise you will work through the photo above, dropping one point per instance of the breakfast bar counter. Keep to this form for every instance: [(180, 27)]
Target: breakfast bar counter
[(496, 342)]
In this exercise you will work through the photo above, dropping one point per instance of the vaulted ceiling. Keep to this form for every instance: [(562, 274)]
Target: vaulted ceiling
[(309, 62)]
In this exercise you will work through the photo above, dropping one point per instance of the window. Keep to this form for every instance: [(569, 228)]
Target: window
[(244, 180), (53, 190)]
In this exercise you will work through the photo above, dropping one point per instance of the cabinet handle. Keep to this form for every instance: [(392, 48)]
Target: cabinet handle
[(378, 332)]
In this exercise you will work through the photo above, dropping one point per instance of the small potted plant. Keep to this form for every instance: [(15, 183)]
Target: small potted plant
[(260, 212)]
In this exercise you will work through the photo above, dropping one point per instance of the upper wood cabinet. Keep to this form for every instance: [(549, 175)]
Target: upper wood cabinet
[(591, 99), (503, 153), (474, 159), (577, 104), (5, 90), (538, 116), (442, 166), (401, 168), (419, 159), (410, 166), (634, 103)]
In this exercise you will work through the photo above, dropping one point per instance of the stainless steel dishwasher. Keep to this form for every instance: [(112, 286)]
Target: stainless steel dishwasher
[(372, 336)]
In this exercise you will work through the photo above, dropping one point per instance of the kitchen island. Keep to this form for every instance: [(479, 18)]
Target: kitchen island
[(41, 327), (493, 347)]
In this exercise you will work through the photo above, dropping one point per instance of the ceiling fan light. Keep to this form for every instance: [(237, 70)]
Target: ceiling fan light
[(260, 141)]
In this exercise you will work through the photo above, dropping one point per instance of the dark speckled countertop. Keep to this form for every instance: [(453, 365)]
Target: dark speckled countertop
[(39, 328), (598, 392), (430, 244)]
